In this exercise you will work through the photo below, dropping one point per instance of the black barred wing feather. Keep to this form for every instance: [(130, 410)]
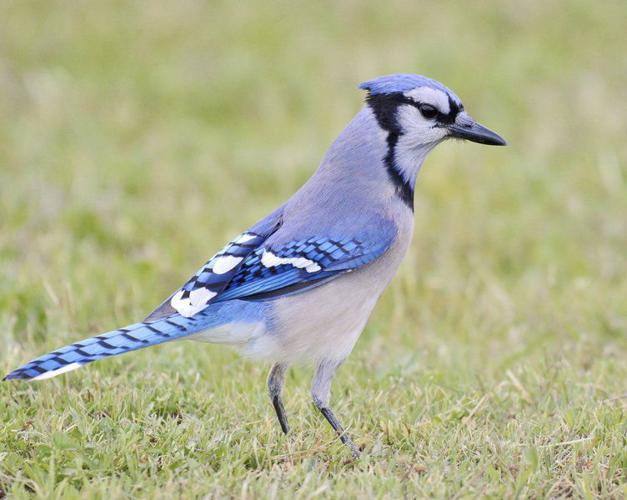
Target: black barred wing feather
[(251, 267), (215, 275), (210, 279), (299, 264)]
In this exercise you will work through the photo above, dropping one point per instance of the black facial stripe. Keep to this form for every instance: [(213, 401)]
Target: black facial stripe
[(441, 118), (384, 107), (454, 110)]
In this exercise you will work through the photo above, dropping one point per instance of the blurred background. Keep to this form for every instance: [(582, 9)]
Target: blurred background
[(137, 137)]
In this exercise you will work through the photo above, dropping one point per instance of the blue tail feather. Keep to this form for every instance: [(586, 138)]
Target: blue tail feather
[(108, 344)]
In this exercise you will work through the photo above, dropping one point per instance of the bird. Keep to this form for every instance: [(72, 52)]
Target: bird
[(299, 285)]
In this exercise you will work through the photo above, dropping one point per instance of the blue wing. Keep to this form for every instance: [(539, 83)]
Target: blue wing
[(217, 272), (278, 270), (260, 264)]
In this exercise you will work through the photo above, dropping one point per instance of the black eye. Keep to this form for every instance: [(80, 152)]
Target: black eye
[(428, 111)]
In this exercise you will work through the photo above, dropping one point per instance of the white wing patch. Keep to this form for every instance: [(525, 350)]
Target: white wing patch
[(58, 371), (225, 263), (244, 237), (197, 293), (196, 301), (268, 259)]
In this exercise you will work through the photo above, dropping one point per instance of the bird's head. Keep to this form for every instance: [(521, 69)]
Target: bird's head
[(420, 112)]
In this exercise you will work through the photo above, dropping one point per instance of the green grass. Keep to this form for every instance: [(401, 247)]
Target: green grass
[(136, 138)]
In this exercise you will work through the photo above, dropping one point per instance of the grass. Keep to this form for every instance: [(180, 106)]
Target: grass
[(135, 139)]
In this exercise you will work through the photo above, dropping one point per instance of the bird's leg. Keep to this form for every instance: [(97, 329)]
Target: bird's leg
[(321, 392), (275, 385)]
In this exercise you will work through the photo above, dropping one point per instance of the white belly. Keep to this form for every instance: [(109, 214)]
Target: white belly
[(323, 322)]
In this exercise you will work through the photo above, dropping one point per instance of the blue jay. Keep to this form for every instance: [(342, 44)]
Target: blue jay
[(300, 284)]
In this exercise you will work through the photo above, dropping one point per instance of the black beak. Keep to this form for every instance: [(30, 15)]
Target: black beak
[(472, 131)]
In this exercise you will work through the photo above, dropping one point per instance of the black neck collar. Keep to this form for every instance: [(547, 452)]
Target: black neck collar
[(384, 107)]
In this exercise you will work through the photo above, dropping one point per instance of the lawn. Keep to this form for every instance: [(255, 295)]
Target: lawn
[(136, 138)]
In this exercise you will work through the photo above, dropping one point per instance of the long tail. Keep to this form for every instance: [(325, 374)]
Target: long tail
[(116, 342)]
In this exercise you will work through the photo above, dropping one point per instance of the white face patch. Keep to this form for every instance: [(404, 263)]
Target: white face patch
[(419, 137), (427, 95), (225, 263), (58, 371), (196, 301), (268, 259), (417, 130)]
